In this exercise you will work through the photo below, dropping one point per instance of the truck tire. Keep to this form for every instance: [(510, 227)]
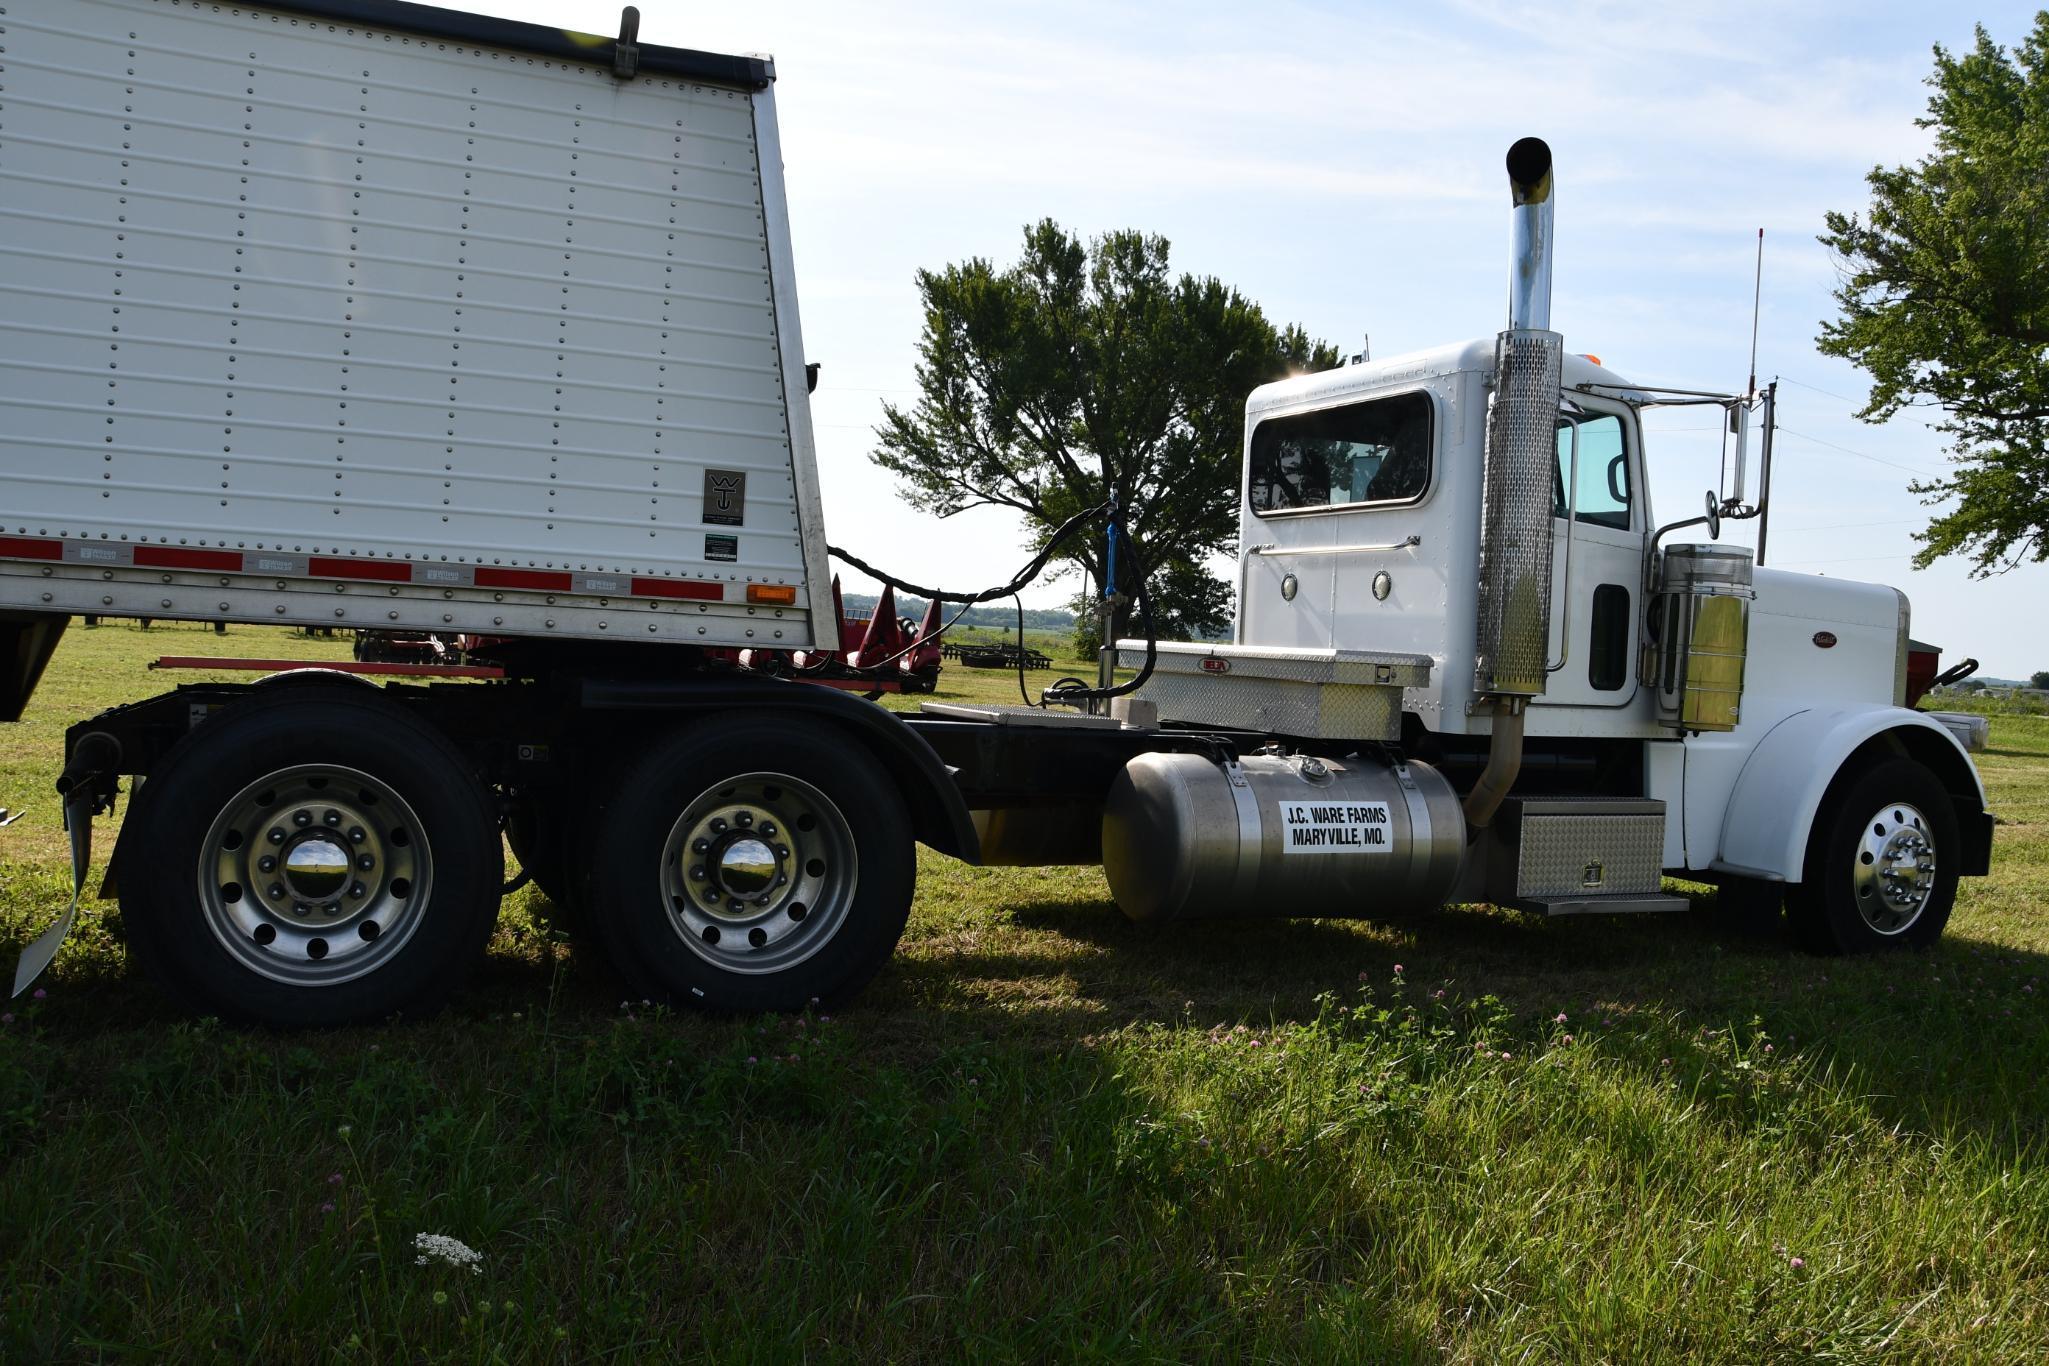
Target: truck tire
[(752, 865), (311, 858), (1882, 863)]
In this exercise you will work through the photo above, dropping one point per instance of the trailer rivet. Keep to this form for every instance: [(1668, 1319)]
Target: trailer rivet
[(281, 610), (445, 616), (47, 597), (392, 615), (164, 578), (47, 571), (497, 597), (106, 573), (339, 612), (109, 602), (224, 607)]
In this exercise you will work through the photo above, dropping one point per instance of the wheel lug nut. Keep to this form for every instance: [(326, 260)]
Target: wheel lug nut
[(276, 891), (266, 864), (365, 862), (302, 818), (735, 906), (718, 827), (356, 889), (701, 847), (331, 818), (782, 851), (277, 837), (357, 835), (761, 901), (744, 819), (768, 829), (697, 873)]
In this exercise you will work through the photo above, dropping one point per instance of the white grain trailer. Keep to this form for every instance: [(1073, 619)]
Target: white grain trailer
[(365, 314)]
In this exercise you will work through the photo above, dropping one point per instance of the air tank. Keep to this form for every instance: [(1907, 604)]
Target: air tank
[(1186, 836)]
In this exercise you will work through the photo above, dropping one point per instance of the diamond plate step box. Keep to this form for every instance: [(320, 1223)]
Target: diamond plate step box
[(1573, 854)]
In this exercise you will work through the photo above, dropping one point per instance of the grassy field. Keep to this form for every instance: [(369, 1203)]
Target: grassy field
[(1046, 1134)]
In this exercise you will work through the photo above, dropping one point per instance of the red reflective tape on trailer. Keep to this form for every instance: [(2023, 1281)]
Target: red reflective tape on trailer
[(23, 548), (679, 588), (540, 580), (182, 557), (329, 567)]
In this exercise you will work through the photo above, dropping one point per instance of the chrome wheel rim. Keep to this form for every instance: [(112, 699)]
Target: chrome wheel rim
[(315, 875), (758, 872), (1894, 874)]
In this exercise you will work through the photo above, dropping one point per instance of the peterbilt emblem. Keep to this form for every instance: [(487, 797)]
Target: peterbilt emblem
[(1214, 665), (1825, 639)]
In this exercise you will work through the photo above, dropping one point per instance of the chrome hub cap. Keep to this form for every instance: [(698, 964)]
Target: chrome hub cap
[(1895, 870), (314, 875), (759, 872)]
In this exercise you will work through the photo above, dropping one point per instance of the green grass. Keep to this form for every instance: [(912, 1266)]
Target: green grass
[(1046, 1133)]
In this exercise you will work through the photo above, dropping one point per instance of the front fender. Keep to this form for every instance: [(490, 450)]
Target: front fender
[(1782, 785)]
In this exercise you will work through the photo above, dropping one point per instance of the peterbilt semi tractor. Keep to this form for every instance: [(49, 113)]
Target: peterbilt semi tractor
[(369, 315)]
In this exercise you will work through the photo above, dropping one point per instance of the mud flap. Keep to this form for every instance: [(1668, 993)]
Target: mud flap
[(79, 806)]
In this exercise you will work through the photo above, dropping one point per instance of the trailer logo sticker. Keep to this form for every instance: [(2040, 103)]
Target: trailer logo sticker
[(1335, 827), (725, 497), (726, 548)]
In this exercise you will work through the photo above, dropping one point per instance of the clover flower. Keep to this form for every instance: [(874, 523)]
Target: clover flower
[(451, 1251)]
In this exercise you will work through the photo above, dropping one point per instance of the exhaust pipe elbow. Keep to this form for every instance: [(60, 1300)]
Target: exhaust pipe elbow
[(1504, 762)]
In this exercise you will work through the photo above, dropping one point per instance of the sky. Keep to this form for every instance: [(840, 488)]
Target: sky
[(1341, 165)]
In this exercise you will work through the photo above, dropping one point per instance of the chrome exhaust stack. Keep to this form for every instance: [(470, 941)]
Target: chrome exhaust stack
[(1512, 643)]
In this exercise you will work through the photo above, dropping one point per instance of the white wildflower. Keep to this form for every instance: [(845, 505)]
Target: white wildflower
[(453, 1251)]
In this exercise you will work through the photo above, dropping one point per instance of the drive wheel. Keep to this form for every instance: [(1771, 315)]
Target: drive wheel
[(311, 858), (1881, 869), (752, 866)]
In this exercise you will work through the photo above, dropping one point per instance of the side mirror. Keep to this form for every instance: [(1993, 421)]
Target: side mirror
[(1714, 516)]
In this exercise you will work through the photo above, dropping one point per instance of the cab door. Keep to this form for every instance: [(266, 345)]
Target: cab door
[(1596, 584)]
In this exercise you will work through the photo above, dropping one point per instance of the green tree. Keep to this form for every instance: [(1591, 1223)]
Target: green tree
[(1085, 369), (2039, 679), (1945, 298)]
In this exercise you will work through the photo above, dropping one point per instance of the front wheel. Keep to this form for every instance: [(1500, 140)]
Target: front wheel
[(1881, 869), (752, 866)]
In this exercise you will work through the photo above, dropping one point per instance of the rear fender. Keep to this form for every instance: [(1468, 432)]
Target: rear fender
[(1785, 783)]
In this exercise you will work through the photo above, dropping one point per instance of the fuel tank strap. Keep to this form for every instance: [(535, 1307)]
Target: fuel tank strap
[(1251, 834)]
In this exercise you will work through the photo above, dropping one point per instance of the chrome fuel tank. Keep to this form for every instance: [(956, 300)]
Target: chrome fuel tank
[(1186, 837)]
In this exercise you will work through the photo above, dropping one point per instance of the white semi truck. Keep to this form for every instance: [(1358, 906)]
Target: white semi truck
[(361, 314)]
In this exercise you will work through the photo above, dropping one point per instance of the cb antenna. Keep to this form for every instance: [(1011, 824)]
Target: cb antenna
[(1756, 298)]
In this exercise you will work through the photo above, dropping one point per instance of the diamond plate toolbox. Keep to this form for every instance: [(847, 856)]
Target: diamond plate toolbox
[(1313, 694), (1575, 846)]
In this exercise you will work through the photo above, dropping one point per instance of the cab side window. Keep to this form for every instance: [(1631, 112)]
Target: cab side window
[(1603, 494), (1372, 452)]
